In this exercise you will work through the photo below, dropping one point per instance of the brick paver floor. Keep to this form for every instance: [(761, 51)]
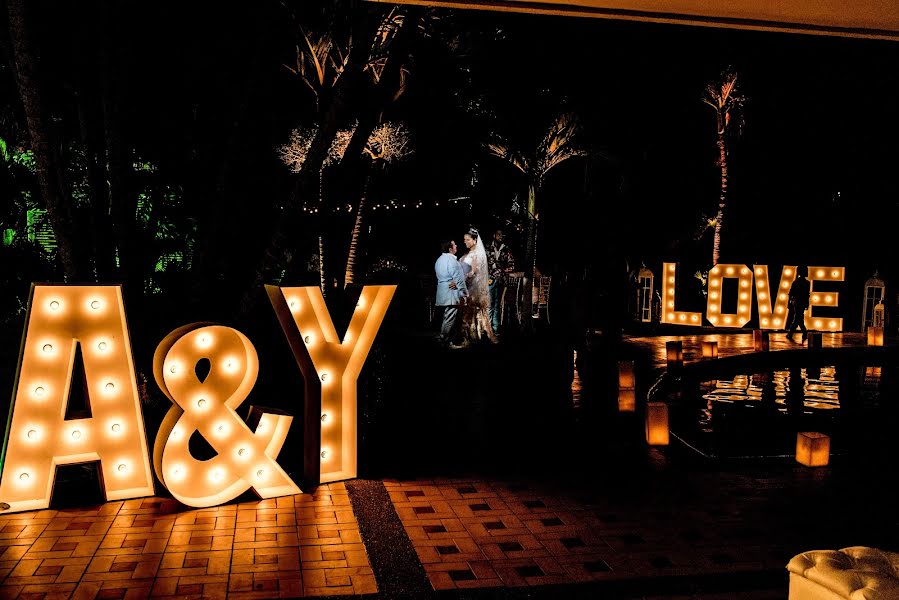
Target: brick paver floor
[(305, 545)]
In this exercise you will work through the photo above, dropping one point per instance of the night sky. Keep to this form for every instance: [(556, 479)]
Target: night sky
[(812, 175)]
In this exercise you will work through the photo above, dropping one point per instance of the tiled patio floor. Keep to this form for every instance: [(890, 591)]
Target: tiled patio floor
[(305, 545)]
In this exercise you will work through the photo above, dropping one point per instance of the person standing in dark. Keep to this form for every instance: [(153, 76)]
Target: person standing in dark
[(500, 263), (798, 303)]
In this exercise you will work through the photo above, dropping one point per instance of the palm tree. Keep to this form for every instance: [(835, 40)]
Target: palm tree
[(535, 164), (722, 96), (389, 142)]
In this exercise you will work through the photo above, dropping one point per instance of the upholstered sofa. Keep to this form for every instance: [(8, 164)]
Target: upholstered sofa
[(856, 573)]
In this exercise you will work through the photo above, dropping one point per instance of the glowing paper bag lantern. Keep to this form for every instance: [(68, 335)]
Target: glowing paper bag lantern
[(245, 458), (669, 314), (828, 299), (814, 340), (875, 336), (744, 295), (627, 399), (760, 340), (812, 449), (656, 423), (330, 366), (773, 318), (710, 349), (63, 321), (674, 352)]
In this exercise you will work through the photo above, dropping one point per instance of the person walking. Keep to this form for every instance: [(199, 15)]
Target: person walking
[(798, 304)]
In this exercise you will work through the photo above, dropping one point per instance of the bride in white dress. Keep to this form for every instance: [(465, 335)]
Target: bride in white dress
[(475, 319)]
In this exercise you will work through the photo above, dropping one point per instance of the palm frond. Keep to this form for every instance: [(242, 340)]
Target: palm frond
[(502, 149)]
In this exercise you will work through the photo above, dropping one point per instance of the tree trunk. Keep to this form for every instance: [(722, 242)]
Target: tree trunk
[(722, 199), (355, 240), (47, 162)]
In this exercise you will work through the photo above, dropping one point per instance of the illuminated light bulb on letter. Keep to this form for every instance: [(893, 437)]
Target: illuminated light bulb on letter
[(820, 273), (204, 341), (671, 304), (109, 387), (76, 435), (32, 434), (23, 477), (95, 305), (325, 376), (48, 348), (832, 324), (324, 417), (122, 467), (102, 346), (54, 305), (242, 452), (818, 324), (260, 473), (116, 428), (730, 270), (294, 304), (816, 298), (759, 271), (308, 339), (39, 391), (201, 402)]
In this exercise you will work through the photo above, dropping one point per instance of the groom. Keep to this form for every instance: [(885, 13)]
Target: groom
[(450, 290)]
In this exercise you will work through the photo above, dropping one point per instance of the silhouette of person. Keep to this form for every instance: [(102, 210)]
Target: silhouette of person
[(798, 303)]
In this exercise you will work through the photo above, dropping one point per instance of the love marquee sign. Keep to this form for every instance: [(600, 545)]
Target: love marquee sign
[(770, 316), (63, 320)]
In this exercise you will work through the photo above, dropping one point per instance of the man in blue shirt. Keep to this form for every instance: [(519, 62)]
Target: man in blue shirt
[(451, 290)]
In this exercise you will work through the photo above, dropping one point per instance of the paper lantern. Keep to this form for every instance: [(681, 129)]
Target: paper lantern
[(814, 340), (744, 295), (828, 299), (62, 323), (675, 354), (875, 336), (656, 423), (669, 314), (760, 340), (627, 398), (245, 458), (812, 449), (330, 365), (773, 317), (710, 349)]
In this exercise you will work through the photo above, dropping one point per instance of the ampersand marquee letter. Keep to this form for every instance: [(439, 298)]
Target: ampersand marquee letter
[(63, 322), (330, 367), (245, 459)]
